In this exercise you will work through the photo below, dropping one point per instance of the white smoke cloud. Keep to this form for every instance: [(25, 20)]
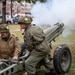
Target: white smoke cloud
[(54, 11)]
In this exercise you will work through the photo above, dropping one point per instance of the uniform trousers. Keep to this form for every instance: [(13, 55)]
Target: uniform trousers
[(32, 61)]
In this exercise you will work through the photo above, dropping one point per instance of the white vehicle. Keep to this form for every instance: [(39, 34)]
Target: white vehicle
[(9, 20)]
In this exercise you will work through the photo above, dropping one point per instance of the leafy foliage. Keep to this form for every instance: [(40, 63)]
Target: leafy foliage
[(33, 1)]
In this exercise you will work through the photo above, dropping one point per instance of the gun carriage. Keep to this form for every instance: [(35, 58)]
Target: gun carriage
[(61, 58)]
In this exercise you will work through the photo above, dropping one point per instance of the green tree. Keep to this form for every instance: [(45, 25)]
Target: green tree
[(33, 1), (42, 0), (3, 11)]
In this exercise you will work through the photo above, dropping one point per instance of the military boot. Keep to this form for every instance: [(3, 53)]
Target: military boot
[(31, 74), (51, 72)]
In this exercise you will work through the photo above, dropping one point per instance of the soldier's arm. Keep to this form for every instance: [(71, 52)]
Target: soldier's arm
[(17, 47), (37, 36)]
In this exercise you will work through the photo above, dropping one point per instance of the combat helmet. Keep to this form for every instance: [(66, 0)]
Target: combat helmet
[(4, 28), (25, 20)]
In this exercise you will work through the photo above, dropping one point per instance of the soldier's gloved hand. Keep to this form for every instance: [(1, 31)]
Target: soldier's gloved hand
[(15, 58)]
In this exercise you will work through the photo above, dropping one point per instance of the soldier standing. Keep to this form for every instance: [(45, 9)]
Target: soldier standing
[(9, 44), (36, 44)]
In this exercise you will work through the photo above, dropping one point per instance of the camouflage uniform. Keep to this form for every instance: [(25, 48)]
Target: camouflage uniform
[(38, 47), (10, 47)]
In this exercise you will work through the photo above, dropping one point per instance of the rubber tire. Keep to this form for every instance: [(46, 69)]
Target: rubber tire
[(8, 22), (60, 50)]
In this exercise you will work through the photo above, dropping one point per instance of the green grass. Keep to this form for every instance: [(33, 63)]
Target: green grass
[(69, 40), (14, 27), (19, 34)]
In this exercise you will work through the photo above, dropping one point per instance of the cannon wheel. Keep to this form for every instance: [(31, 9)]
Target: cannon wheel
[(62, 59)]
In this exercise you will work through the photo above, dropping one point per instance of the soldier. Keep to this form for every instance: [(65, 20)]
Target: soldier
[(9, 44), (36, 44)]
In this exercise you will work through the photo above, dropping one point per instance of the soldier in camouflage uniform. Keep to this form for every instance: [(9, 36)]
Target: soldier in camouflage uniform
[(36, 44), (9, 44)]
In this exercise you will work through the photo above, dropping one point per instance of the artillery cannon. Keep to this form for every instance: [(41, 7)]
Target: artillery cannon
[(61, 58)]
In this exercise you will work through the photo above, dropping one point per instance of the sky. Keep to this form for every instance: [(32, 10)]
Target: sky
[(53, 11)]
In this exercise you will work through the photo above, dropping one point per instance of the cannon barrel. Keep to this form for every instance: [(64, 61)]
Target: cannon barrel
[(53, 31)]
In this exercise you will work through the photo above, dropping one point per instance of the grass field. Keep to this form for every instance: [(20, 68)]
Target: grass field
[(69, 40)]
